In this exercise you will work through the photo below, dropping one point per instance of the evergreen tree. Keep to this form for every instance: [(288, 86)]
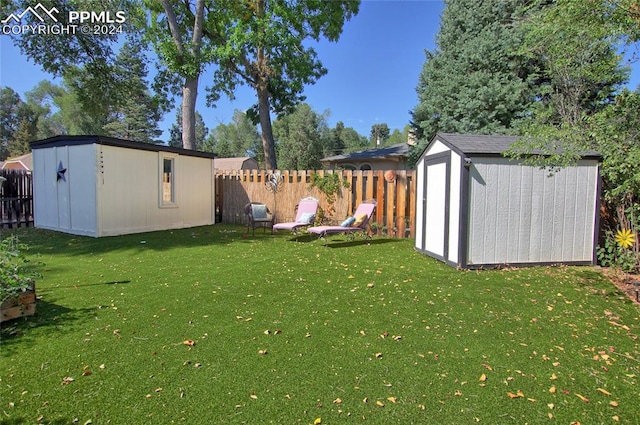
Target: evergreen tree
[(201, 132), (137, 117), (25, 134), (334, 144), (475, 81), (300, 137)]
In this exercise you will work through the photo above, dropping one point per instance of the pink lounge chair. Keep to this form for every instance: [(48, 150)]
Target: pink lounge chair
[(357, 223), (307, 209)]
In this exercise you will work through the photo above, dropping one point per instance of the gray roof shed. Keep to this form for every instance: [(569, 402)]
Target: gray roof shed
[(477, 208)]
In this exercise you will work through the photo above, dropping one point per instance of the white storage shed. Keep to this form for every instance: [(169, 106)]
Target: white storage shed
[(475, 208), (102, 186)]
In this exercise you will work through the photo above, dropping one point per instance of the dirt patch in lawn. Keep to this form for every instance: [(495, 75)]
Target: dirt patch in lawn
[(625, 282)]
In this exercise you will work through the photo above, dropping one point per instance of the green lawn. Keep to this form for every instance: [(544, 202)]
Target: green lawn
[(289, 332)]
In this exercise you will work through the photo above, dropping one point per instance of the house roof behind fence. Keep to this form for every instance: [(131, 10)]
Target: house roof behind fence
[(386, 152), (19, 162), (237, 163)]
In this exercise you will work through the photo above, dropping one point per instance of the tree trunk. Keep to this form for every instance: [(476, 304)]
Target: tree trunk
[(189, 95), (268, 144)]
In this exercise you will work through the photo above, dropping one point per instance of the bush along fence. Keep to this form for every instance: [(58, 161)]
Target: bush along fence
[(16, 199), (281, 190)]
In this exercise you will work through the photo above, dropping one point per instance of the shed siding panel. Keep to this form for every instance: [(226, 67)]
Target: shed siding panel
[(45, 193), (196, 189), (525, 213), (82, 189), (62, 189), (520, 215), (128, 189)]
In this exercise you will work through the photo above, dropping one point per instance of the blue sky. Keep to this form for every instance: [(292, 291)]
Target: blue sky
[(373, 69)]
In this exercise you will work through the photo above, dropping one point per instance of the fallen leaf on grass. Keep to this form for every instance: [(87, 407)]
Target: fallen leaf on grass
[(483, 378), (189, 342), (67, 380), (487, 366), (613, 403), (616, 418), (337, 401), (519, 394), (392, 399), (583, 398), (552, 390), (603, 391), (379, 403), (262, 352), (317, 421)]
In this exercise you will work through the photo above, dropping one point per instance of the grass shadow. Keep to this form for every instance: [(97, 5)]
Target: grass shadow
[(81, 285), (17, 332), (597, 283), (52, 242), (359, 242)]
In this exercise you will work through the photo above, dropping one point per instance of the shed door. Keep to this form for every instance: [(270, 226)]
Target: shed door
[(435, 204)]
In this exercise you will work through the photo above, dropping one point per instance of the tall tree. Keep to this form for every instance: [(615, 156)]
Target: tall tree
[(399, 136), (69, 51), (582, 73), (176, 30), (26, 133), (138, 115), (200, 133), (10, 118), (41, 99), (335, 144), (266, 48), (300, 136), (476, 80), (238, 138), (379, 134)]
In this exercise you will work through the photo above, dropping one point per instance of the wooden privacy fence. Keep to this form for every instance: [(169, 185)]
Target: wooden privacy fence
[(395, 210), (16, 199)]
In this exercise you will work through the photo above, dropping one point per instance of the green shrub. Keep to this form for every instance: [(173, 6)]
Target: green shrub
[(616, 256), (16, 271)]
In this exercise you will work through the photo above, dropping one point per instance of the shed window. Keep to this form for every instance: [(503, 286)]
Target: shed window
[(167, 181)]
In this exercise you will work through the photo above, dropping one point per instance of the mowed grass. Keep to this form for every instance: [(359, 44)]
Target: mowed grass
[(290, 331)]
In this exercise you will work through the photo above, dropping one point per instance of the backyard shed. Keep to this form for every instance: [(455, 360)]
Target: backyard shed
[(102, 186), (475, 208)]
